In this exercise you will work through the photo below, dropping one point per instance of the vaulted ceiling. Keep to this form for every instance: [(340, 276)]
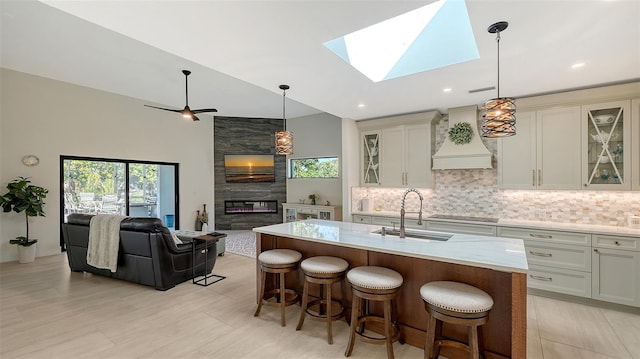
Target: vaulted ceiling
[(240, 51)]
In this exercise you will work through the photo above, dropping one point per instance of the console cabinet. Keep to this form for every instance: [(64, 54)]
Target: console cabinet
[(299, 211)]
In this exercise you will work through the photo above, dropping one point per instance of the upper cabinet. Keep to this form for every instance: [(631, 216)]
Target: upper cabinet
[(370, 160), (396, 151), (606, 146), (635, 143), (586, 139), (544, 153)]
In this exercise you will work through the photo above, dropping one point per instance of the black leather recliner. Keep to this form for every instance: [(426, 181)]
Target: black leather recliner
[(148, 254)]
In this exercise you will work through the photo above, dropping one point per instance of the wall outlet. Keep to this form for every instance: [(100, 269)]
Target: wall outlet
[(430, 207), (542, 214)]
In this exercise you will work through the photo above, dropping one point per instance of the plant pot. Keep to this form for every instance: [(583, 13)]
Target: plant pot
[(27, 254)]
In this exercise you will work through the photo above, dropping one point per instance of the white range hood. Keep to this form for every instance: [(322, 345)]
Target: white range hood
[(466, 156)]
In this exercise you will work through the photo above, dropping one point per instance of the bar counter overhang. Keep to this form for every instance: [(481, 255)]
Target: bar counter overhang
[(496, 265)]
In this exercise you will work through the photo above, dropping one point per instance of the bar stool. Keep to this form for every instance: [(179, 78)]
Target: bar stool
[(459, 304), (279, 262), (373, 284), (325, 271)]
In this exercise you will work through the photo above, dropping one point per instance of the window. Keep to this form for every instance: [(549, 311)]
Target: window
[(316, 167), (114, 186)]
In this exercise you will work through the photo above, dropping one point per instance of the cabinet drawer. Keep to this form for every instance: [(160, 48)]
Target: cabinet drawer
[(395, 222), (547, 236), (559, 280), (361, 219), (616, 242), (558, 255), (463, 228)]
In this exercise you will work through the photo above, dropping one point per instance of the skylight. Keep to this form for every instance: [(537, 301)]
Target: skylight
[(430, 37)]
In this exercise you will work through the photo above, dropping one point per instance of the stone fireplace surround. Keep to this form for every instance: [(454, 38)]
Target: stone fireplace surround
[(236, 136)]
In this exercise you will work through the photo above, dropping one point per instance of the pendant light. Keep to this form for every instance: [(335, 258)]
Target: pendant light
[(284, 138), (499, 114)]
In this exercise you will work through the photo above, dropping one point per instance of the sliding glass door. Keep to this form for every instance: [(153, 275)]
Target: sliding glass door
[(116, 186)]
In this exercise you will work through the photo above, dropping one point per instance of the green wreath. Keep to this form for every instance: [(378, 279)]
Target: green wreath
[(461, 133)]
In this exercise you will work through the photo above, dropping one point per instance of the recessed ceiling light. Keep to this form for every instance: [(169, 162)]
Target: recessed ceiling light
[(360, 105), (446, 90), (577, 65)]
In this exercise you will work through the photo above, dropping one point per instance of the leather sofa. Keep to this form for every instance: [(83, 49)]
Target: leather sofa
[(147, 255)]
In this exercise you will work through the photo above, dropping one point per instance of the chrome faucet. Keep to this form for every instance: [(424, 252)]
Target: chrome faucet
[(402, 211)]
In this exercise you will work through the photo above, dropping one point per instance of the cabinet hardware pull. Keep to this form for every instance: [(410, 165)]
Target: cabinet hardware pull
[(617, 243), (540, 254), (540, 235), (539, 177), (595, 250), (548, 279)]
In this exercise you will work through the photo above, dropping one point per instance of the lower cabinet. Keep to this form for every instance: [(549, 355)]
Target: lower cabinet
[(464, 228), (616, 272), (602, 267)]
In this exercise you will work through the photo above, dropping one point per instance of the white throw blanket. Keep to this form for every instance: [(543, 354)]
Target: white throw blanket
[(104, 241)]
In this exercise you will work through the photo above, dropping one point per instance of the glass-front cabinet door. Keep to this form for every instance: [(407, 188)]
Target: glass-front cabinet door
[(606, 149), (371, 158)]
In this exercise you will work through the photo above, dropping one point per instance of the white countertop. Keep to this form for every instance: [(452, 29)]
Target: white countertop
[(501, 254), (559, 226)]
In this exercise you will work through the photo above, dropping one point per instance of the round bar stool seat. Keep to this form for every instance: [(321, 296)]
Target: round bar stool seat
[(459, 304), (278, 262), (378, 284), (325, 271)]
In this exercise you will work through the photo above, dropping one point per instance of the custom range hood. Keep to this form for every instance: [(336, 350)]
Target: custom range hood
[(462, 156)]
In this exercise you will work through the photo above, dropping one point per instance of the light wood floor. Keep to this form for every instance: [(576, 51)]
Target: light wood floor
[(48, 312)]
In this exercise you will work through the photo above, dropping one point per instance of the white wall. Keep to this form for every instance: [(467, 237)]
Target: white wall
[(49, 118), (350, 165), (318, 135)]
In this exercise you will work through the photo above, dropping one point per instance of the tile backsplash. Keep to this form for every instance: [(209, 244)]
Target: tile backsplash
[(475, 192)]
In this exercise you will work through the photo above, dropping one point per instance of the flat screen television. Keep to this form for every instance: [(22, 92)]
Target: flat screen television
[(249, 168)]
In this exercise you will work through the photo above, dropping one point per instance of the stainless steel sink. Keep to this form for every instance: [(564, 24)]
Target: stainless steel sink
[(415, 234)]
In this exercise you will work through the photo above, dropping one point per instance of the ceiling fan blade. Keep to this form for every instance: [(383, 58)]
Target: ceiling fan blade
[(202, 110), (162, 108), (195, 118)]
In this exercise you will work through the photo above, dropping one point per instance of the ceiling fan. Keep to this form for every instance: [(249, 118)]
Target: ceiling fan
[(187, 112)]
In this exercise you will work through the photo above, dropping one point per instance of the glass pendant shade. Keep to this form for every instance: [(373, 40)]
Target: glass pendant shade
[(284, 143), (284, 138), (499, 117), (499, 114)]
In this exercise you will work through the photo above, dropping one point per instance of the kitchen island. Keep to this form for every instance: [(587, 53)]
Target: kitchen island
[(496, 265)]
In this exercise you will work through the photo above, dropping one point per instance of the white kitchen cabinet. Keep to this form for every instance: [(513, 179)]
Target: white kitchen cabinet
[(394, 222), (297, 211), (405, 160), (401, 156), (370, 159), (464, 228), (358, 218), (606, 146), (635, 144), (544, 153), (616, 272), (558, 261)]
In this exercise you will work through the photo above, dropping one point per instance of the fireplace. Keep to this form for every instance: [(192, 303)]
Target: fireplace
[(247, 207)]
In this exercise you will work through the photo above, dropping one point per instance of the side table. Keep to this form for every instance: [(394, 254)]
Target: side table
[(204, 239)]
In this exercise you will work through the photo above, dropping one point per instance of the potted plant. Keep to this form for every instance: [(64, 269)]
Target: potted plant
[(24, 197)]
